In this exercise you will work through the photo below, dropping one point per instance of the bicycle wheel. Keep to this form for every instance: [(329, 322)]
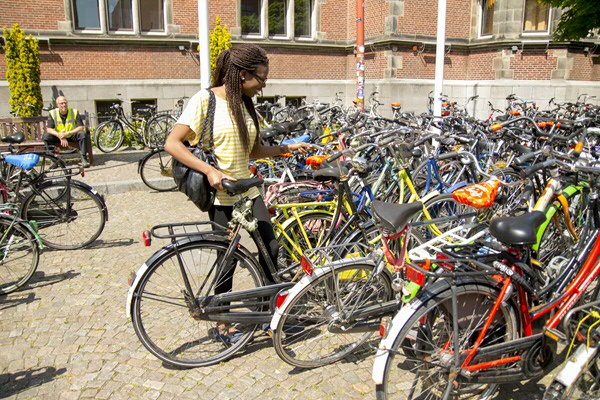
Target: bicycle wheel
[(161, 303), (451, 172), (156, 170), (317, 327), (69, 214), (157, 130), (420, 360), (109, 136), (298, 235), (19, 255)]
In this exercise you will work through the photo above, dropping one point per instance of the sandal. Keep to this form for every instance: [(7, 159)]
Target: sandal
[(226, 333)]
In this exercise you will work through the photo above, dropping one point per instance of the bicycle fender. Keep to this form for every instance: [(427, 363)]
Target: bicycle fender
[(402, 317), (159, 254)]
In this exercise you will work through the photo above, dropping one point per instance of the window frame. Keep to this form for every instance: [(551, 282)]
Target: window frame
[(540, 32), (289, 23), (104, 21)]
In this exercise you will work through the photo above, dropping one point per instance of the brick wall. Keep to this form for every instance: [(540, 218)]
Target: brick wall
[(480, 66), (420, 18), (307, 64), (586, 68), (32, 14), (375, 13), (113, 62), (337, 19), (533, 65)]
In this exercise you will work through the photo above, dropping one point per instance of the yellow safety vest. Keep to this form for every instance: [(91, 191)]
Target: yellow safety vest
[(70, 122)]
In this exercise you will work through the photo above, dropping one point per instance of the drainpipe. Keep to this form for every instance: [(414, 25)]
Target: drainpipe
[(360, 53)]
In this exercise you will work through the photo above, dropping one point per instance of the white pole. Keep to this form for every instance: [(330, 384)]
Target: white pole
[(440, 51), (204, 43)]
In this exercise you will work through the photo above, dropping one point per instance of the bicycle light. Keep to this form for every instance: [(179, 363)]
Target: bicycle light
[(147, 238), (306, 266)]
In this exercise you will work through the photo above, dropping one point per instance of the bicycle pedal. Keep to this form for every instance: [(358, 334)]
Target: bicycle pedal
[(555, 335)]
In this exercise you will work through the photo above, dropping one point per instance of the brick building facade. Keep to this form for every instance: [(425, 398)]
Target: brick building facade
[(147, 49)]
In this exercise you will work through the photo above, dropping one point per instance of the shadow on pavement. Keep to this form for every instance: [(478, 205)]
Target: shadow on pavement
[(16, 299), (104, 244), (41, 279), (14, 383), (121, 156)]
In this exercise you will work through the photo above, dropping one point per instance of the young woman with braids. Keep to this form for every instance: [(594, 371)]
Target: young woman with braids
[(240, 73)]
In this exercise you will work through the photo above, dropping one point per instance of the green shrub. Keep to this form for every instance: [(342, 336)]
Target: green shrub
[(23, 72)]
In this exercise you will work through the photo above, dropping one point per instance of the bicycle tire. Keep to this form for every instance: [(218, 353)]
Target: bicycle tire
[(156, 171), (109, 136), (19, 253), (413, 368), (48, 163), (298, 235), (160, 316), (65, 227), (157, 130), (312, 332), (451, 172)]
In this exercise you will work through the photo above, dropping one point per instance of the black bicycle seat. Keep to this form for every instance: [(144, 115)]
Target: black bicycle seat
[(240, 186), (393, 216), (280, 129), (517, 230), (329, 173), (17, 137)]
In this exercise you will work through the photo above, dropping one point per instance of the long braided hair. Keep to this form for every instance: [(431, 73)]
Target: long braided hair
[(227, 72)]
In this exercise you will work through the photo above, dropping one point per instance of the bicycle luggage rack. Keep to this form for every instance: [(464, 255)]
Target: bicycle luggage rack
[(187, 229)]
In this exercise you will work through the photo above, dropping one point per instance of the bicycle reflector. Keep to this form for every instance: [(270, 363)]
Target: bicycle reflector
[(306, 266), (281, 296), (384, 326), (147, 238)]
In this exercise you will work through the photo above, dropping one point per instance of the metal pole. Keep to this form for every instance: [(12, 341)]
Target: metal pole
[(440, 51), (360, 53), (204, 43)]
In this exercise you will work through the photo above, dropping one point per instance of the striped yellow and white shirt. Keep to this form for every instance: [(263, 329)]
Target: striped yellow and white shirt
[(232, 157)]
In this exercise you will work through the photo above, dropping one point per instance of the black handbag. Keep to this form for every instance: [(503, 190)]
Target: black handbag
[(193, 183)]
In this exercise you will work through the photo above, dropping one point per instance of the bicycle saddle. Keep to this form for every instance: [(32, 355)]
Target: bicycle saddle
[(393, 216), (240, 186), (328, 173), (280, 129), (17, 137), (517, 230)]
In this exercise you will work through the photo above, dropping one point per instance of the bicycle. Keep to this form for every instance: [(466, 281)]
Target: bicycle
[(156, 170), (69, 214), (578, 377), (20, 248), (475, 326), (147, 128)]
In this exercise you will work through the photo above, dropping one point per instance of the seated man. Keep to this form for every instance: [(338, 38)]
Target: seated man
[(65, 125)]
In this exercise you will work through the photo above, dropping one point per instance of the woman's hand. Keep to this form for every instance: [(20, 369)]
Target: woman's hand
[(301, 148), (215, 177)]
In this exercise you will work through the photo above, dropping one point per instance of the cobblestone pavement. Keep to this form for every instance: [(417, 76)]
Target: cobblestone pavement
[(66, 336)]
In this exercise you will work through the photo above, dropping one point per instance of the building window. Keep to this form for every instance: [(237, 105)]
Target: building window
[(487, 17), (120, 15), (110, 16), (536, 16), (303, 11), (278, 18), (86, 14), (152, 15)]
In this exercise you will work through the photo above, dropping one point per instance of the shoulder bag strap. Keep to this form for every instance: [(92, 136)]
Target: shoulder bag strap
[(207, 124)]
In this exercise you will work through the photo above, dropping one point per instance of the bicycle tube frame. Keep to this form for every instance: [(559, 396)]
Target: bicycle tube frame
[(549, 202)]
